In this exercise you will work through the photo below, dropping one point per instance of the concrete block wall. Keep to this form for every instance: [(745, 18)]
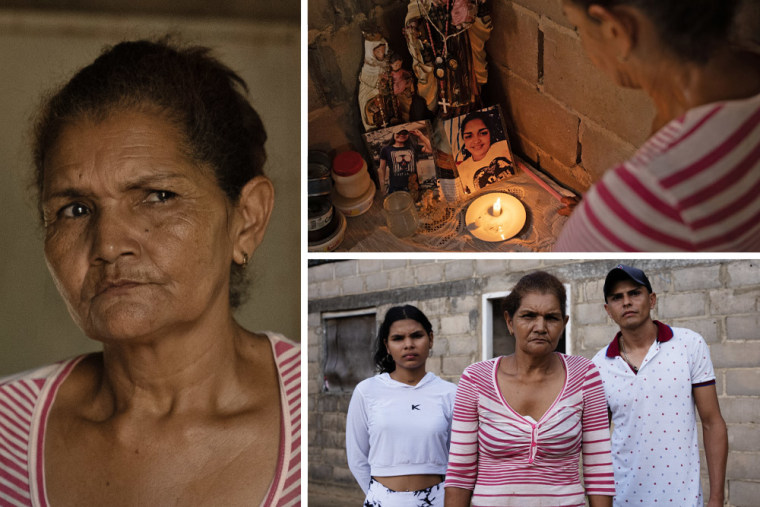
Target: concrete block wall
[(564, 115), (452, 320), (718, 299)]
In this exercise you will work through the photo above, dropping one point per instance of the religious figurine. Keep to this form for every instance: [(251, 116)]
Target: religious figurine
[(446, 39), (377, 103), (403, 86)]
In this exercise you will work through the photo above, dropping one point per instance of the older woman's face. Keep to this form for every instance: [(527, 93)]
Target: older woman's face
[(137, 236), (537, 324), (477, 138)]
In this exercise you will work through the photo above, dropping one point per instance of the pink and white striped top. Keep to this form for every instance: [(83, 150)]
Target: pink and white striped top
[(693, 186), (507, 459), (25, 402)]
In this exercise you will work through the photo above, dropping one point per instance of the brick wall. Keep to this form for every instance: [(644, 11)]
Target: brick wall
[(718, 299), (564, 115)]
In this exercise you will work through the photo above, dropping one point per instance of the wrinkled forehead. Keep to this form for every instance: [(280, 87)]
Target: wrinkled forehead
[(125, 145), (125, 113), (540, 299)]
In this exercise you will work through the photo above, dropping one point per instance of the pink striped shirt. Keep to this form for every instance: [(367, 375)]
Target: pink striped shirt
[(693, 186), (25, 402), (507, 459)]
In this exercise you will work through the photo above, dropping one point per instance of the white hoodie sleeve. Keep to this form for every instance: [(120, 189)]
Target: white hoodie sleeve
[(450, 414), (357, 440)]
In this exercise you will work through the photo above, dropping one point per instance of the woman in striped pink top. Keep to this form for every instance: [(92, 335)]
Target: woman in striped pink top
[(693, 185), (523, 421), (151, 189)]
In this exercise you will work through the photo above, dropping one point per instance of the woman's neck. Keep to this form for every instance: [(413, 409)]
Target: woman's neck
[(676, 87), (189, 370), (524, 365), (409, 377)]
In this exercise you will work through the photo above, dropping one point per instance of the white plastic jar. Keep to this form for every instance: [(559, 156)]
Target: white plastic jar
[(349, 172)]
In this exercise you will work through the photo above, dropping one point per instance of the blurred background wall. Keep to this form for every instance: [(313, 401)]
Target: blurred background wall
[(42, 43)]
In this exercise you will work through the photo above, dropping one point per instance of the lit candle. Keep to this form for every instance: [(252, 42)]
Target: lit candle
[(497, 207), (495, 217)]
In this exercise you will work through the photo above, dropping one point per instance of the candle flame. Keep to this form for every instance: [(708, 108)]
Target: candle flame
[(497, 207)]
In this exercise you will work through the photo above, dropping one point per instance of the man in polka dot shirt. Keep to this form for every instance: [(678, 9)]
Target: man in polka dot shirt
[(654, 376)]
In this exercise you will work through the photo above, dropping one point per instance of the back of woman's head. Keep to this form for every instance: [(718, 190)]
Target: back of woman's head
[(692, 29), (383, 361), (200, 95), (538, 282)]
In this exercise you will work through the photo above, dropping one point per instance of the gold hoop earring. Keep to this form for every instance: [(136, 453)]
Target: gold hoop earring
[(245, 260)]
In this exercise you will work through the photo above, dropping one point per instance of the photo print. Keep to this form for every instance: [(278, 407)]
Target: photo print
[(403, 158), (480, 149)]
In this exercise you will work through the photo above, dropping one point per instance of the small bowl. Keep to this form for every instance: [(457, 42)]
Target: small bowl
[(319, 157), (334, 240), (320, 182), (320, 212)]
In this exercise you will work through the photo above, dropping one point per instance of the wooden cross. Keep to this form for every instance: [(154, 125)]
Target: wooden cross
[(443, 103)]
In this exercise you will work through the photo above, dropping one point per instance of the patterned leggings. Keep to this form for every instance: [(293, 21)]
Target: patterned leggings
[(380, 496)]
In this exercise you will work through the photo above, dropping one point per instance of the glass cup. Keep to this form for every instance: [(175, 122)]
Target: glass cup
[(400, 214)]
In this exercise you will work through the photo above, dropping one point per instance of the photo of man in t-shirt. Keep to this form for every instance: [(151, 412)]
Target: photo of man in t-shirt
[(398, 159)]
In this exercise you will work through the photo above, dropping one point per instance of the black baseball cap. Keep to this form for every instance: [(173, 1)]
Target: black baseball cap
[(623, 272)]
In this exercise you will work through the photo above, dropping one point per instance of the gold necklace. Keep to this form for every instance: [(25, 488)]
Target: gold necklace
[(625, 356)]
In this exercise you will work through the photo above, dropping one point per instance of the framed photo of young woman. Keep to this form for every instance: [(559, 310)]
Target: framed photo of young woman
[(480, 149)]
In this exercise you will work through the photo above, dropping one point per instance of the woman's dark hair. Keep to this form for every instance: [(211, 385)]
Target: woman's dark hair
[(539, 282), (477, 115), (383, 361), (197, 93), (691, 29)]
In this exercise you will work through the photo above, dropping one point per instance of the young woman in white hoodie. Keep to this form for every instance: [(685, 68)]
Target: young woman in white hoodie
[(399, 422)]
